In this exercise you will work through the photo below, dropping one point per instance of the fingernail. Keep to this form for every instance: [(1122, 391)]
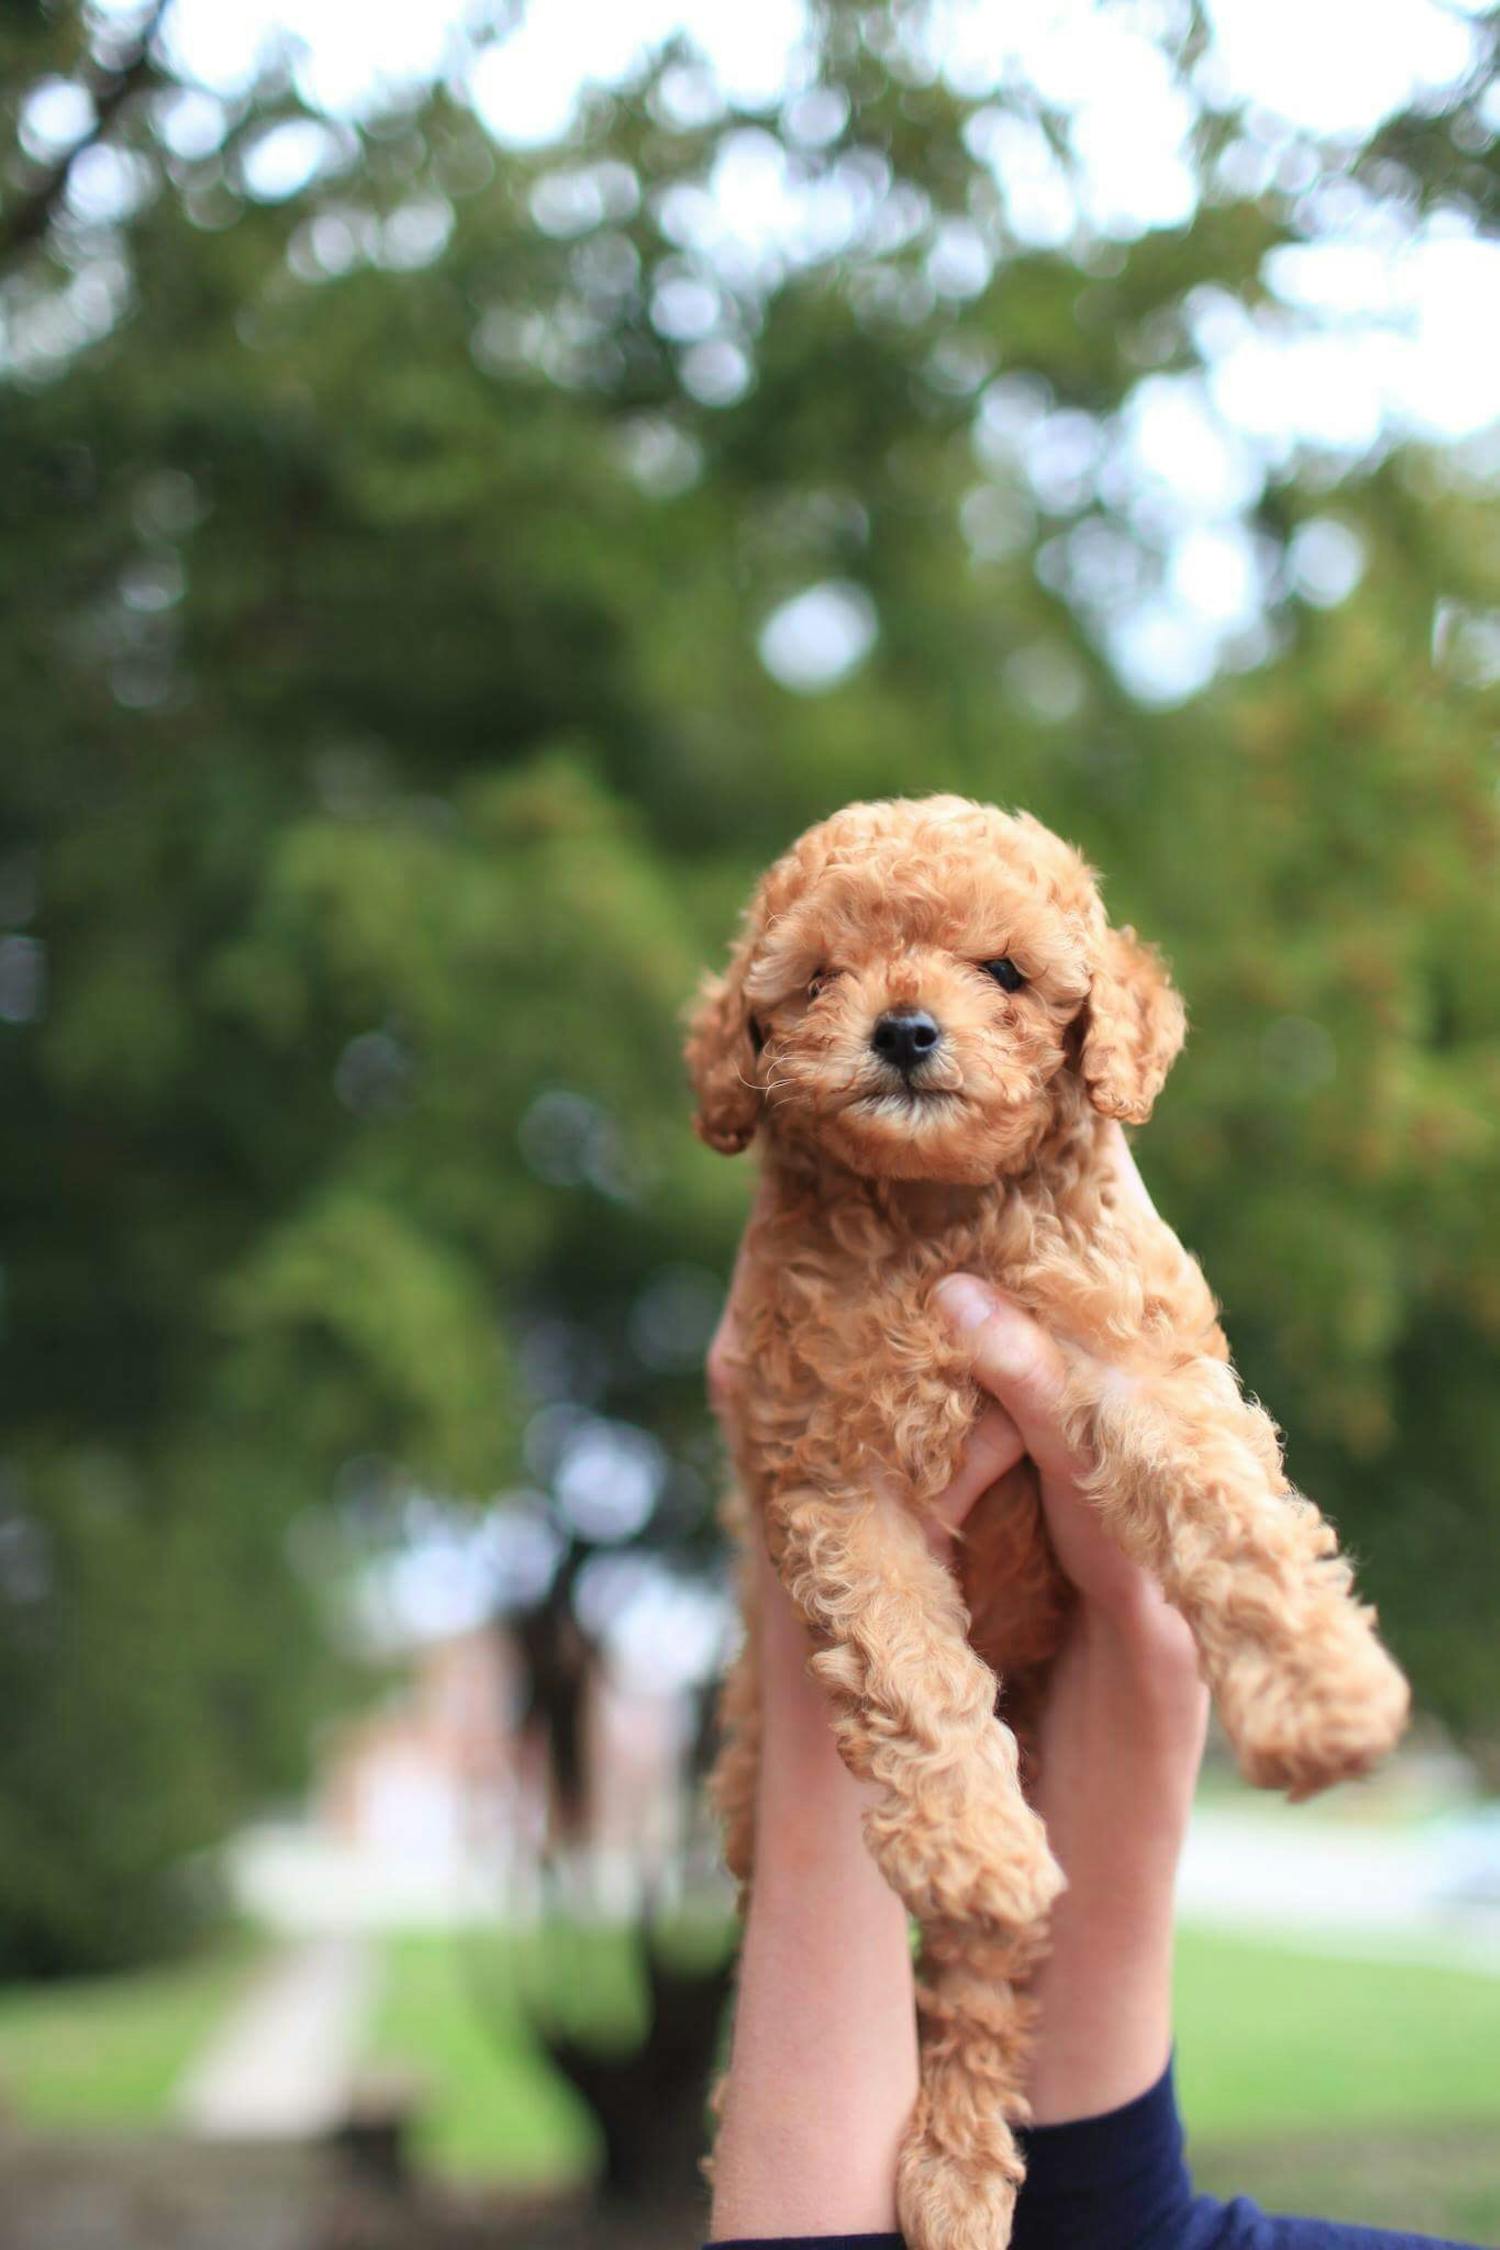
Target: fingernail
[(964, 1301)]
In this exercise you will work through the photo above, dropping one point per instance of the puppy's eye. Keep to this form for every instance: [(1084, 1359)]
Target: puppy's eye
[(820, 980), (1004, 972)]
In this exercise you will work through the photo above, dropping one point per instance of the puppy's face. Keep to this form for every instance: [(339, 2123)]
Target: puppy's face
[(918, 988)]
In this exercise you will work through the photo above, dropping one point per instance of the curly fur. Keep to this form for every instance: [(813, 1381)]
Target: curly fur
[(855, 1402)]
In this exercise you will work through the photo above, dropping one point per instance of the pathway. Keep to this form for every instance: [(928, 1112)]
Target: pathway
[(1428, 1892), (282, 2064)]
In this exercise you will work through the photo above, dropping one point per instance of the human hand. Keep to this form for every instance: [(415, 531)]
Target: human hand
[(1120, 1737), (1024, 1370), (823, 2070), (1119, 1732)]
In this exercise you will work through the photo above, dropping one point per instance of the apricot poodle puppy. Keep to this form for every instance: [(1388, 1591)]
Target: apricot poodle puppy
[(929, 1022)]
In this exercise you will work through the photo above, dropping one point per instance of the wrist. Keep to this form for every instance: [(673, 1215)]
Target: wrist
[(1138, 1654), (1119, 1746), (799, 1764), (796, 1720), (1120, 1742)]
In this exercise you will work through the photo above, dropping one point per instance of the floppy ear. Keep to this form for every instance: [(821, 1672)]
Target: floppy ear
[(1133, 1026), (723, 1049)]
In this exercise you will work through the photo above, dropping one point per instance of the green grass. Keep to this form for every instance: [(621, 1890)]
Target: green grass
[(109, 2050), (1272, 2044), (1285, 2060), (1439, 2180), (1270, 2040), (451, 2012), (457, 2012)]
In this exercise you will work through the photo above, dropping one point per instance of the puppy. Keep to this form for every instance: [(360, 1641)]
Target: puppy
[(929, 1021)]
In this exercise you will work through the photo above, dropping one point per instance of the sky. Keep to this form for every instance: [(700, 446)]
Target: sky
[(1374, 329), (1402, 332), (1332, 65)]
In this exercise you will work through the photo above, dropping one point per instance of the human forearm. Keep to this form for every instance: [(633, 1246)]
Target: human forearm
[(1118, 1755), (824, 2069), (823, 2072), (1120, 1739)]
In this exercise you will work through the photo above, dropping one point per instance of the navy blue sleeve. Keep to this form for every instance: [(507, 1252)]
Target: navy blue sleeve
[(1120, 2182)]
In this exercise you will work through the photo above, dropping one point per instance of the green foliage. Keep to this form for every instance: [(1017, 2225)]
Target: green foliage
[(386, 744), (145, 1608)]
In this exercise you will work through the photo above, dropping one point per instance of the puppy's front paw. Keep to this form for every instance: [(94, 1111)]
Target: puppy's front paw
[(1328, 1711)]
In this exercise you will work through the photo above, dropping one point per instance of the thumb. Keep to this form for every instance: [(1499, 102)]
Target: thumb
[(1016, 1361)]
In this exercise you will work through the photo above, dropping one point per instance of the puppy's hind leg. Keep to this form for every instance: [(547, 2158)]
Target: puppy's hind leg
[(960, 2167)]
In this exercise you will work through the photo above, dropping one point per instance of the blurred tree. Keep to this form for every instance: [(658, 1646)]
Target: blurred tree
[(435, 578)]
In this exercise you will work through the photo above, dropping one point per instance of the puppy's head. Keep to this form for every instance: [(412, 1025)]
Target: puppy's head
[(919, 989)]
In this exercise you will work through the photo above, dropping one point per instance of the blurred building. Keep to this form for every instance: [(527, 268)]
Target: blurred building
[(446, 1788), (431, 1772)]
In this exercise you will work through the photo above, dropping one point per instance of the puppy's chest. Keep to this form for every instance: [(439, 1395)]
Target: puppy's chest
[(842, 1306), (849, 1367)]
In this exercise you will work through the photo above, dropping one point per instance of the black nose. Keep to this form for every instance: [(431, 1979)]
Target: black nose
[(905, 1037)]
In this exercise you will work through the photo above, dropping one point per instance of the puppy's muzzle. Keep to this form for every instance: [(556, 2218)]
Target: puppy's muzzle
[(906, 1038)]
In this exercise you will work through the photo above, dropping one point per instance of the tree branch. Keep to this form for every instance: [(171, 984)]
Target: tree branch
[(27, 223)]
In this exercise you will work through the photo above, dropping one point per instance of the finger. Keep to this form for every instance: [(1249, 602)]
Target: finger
[(1017, 1362), (994, 1447)]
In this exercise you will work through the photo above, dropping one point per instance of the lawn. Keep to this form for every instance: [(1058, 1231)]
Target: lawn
[(109, 2050), (1442, 2181), (1272, 2044), (1358, 2090), (1269, 2039), (457, 2011), (451, 2011)]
